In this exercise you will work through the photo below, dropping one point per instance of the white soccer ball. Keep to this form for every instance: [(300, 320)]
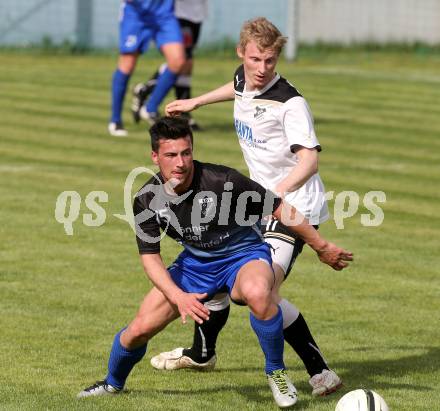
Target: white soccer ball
[(362, 400)]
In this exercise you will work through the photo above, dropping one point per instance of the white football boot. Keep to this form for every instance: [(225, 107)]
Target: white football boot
[(98, 389), (140, 93), (175, 360), (284, 392), (150, 118), (117, 130), (325, 383)]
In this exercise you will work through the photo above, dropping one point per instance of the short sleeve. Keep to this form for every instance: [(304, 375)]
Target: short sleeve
[(147, 226), (298, 124), (239, 79)]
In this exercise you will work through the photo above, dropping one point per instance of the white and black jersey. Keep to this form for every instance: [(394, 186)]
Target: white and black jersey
[(271, 124), (218, 215)]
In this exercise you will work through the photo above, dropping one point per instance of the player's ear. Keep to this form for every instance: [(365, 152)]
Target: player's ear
[(155, 157), (239, 52)]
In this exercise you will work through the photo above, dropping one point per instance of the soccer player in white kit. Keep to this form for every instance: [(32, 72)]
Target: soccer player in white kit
[(275, 129)]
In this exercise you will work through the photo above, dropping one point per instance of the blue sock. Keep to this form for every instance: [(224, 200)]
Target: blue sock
[(164, 82), (122, 361), (270, 335), (119, 87)]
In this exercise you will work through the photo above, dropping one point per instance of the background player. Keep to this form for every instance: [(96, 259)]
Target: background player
[(190, 14), (218, 255), (140, 22), (276, 134)]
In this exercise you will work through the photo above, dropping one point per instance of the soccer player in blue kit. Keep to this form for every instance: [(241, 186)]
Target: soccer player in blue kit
[(214, 212), (190, 14), (140, 22)]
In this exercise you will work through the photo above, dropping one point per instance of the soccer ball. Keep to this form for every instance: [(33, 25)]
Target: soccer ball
[(362, 400)]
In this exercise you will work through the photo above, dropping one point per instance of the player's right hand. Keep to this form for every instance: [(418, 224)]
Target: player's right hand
[(177, 107), (334, 256), (189, 304)]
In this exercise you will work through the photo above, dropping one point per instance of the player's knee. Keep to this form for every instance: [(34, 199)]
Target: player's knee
[(258, 298), (177, 64), (138, 332), (263, 310), (127, 63)]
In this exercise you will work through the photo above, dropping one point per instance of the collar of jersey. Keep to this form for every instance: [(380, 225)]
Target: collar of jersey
[(255, 93)]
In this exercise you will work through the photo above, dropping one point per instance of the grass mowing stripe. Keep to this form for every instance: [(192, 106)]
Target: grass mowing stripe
[(407, 110), (423, 97), (351, 108), (381, 89), (333, 128), (18, 101), (371, 150), (55, 112), (349, 131), (386, 77)]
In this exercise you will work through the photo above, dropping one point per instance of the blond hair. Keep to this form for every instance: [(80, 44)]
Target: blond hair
[(264, 33)]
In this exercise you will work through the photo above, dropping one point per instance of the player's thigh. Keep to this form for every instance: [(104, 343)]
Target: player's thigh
[(279, 276), (154, 314), (168, 38), (219, 302), (282, 253), (254, 280), (285, 246)]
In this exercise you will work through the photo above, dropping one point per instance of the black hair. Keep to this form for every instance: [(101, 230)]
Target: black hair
[(169, 128)]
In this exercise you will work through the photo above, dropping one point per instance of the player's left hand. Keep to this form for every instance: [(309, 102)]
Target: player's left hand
[(334, 256), (177, 107), (189, 304)]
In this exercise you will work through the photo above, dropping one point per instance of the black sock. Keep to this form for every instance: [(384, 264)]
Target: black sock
[(299, 337), (155, 75), (205, 336), (152, 82), (183, 92)]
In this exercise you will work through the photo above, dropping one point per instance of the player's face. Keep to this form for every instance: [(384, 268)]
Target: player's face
[(259, 66), (175, 161)]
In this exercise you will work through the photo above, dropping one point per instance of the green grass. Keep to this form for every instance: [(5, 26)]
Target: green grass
[(62, 297)]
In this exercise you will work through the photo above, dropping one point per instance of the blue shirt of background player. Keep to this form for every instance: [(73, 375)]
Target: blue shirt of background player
[(152, 8)]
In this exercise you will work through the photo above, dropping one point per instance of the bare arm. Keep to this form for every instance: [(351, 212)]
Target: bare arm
[(307, 166), (223, 93), (328, 253), (187, 303)]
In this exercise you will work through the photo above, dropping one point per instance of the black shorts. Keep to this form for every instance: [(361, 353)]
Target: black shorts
[(286, 246), (190, 33)]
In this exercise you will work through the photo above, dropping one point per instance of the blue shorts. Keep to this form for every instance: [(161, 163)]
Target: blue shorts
[(204, 275), (137, 30)]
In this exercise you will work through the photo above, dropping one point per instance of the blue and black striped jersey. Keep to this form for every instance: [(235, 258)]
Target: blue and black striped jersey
[(217, 216)]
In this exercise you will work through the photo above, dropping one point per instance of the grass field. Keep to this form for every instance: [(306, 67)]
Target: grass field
[(62, 298)]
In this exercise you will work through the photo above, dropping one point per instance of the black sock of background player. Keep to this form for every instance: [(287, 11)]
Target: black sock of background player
[(205, 336), (155, 75), (182, 92), (299, 337)]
